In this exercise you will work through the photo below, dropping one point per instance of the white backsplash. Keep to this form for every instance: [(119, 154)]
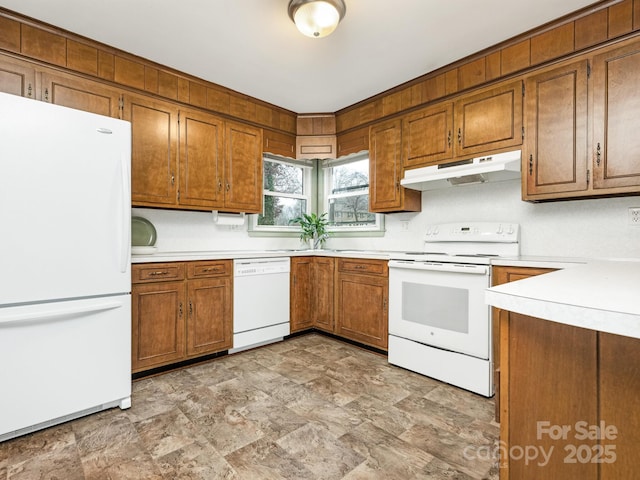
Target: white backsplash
[(576, 228)]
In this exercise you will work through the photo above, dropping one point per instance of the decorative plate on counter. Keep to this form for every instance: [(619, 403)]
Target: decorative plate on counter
[(143, 233)]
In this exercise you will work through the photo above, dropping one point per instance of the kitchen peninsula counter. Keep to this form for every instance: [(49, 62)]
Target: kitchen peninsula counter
[(599, 295)]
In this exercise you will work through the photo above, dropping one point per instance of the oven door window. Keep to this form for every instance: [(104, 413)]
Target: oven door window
[(441, 309), (445, 308)]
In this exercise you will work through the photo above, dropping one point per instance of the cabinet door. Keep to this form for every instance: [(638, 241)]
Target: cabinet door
[(551, 370), (201, 166), (352, 142), (616, 121), (279, 143), (302, 287), (158, 324), (489, 120), (243, 168), (17, 78), (153, 151), (81, 94), (323, 281), (361, 308), (555, 154), (209, 319), (619, 377), (427, 136), (385, 170)]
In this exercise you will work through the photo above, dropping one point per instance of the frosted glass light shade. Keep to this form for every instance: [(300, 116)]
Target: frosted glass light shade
[(316, 18)]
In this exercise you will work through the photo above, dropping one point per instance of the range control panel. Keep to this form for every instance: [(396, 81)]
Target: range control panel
[(497, 232)]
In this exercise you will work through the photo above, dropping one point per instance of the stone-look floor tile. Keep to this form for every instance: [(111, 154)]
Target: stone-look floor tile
[(388, 418), (63, 463), (265, 460), (166, 432), (451, 448), (386, 456), (196, 461), (228, 432), (319, 451), (307, 408), (472, 404)]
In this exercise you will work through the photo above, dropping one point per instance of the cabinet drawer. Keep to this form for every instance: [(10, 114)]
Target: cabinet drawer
[(208, 268), (157, 272), (358, 265)]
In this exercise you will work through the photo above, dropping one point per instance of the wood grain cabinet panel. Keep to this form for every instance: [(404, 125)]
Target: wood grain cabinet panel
[(157, 324), (489, 120), (362, 302), (154, 159), (352, 142), (616, 110), (427, 136), (312, 280), (243, 168), (201, 160), (210, 304), (555, 153), (385, 171), (17, 78), (79, 93)]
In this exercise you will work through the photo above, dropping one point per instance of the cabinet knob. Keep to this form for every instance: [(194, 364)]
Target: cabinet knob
[(459, 136), (598, 154), (449, 138), (180, 309), (530, 164), (46, 94), (190, 308), (219, 186), (228, 187), (173, 180), (29, 91)]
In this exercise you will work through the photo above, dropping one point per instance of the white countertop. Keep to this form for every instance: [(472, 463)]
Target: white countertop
[(234, 254), (601, 295)]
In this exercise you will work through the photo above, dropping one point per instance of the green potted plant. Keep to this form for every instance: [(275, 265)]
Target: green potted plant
[(314, 228)]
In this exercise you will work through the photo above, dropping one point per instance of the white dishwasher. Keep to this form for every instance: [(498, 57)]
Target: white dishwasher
[(260, 301)]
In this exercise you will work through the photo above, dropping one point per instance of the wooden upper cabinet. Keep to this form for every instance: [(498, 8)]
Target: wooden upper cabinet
[(279, 143), (489, 120), (153, 151), (17, 78), (201, 159), (352, 142), (243, 168), (555, 151), (616, 110), (79, 93), (427, 135), (385, 170)]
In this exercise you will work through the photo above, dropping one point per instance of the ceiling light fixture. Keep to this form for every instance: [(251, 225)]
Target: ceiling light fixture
[(316, 18)]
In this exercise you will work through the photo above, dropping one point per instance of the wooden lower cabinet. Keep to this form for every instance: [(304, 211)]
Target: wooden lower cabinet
[(312, 293), (361, 296), (568, 395), (180, 310)]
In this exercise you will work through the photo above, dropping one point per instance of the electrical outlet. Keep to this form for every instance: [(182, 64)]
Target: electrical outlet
[(634, 216)]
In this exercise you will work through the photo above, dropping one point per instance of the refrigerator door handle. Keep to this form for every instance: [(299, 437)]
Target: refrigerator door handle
[(125, 240), (41, 316)]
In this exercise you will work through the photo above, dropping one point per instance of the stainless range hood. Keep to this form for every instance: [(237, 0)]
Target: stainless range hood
[(494, 168)]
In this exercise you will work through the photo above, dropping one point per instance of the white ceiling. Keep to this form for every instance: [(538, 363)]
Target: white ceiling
[(252, 46)]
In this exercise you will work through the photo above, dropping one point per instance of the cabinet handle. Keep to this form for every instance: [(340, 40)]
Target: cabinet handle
[(211, 269), (29, 91), (449, 138), (531, 164), (180, 309), (228, 187), (384, 304), (219, 186), (46, 94), (155, 274), (173, 180), (459, 136), (598, 154), (190, 309)]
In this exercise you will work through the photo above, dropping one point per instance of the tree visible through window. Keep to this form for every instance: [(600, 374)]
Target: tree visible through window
[(348, 195), (286, 192)]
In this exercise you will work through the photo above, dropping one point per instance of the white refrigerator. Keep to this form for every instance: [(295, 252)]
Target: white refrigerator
[(65, 276)]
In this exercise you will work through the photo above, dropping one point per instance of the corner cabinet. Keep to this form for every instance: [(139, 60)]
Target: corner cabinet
[(385, 171), (312, 280), (180, 310), (362, 301)]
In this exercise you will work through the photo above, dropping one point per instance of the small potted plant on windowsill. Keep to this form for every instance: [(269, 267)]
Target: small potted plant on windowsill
[(314, 228)]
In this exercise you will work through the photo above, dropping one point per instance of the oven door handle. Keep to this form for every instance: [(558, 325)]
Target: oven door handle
[(440, 267)]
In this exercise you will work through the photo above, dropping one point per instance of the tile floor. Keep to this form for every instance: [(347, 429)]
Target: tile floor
[(310, 407)]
